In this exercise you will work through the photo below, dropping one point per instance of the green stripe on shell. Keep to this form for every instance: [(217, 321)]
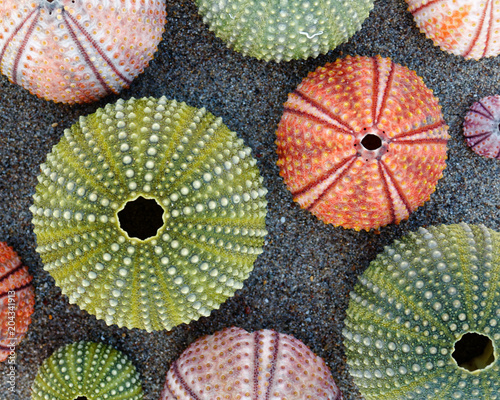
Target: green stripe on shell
[(204, 178), (413, 303), (90, 370), (284, 29)]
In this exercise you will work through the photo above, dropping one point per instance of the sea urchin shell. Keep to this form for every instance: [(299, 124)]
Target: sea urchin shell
[(362, 142), (423, 322), (235, 364), (78, 51), (482, 127), (284, 30), (87, 370), (17, 300), (183, 179), (468, 28)]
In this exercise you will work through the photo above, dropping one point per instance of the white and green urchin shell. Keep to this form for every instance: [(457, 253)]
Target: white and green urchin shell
[(87, 370), (423, 321), (284, 29), (149, 213)]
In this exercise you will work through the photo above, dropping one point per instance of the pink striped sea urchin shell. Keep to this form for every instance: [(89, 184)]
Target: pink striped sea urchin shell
[(482, 127), (78, 51), (233, 364), (17, 300), (362, 142), (468, 28)]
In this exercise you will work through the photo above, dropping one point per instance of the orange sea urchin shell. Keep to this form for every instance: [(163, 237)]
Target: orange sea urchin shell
[(17, 299), (362, 142), (78, 51), (468, 28)]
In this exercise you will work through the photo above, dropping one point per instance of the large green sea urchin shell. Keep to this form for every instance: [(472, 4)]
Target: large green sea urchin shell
[(87, 370), (190, 164), (284, 29), (412, 310)]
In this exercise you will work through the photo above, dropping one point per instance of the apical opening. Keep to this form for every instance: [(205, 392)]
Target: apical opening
[(371, 142), (81, 398), (474, 351), (141, 218)]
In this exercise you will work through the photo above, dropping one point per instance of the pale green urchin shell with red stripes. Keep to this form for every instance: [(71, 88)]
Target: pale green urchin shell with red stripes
[(78, 51), (236, 364), (17, 300), (468, 28), (362, 142)]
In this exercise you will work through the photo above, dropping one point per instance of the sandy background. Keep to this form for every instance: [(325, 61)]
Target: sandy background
[(300, 284)]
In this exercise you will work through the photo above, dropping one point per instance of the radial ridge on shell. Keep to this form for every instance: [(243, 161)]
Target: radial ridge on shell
[(78, 51), (17, 301), (284, 29), (423, 321), (362, 142), (87, 370), (149, 213), (236, 364), (467, 28)]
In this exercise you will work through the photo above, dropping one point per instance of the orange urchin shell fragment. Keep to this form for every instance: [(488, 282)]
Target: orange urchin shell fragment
[(468, 28), (17, 300), (362, 142)]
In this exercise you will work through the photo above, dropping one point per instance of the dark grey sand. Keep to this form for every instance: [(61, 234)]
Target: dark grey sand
[(301, 283)]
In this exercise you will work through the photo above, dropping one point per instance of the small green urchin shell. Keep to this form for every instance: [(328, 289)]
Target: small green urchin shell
[(196, 169), (284, 29), (414, 303), (90, 370)]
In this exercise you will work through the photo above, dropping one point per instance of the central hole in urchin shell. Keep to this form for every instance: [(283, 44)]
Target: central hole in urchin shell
[(81, 398), (474, 351), (371, 142), (141, 218)]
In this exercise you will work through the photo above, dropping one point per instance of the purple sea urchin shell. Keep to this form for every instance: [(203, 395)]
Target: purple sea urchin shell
[(75, 52), (235, 364), (482, 127)]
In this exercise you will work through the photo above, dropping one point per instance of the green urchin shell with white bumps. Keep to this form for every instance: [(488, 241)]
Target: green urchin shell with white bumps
[(424, 319), (87, 370), (200, 176), (284, 29)]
